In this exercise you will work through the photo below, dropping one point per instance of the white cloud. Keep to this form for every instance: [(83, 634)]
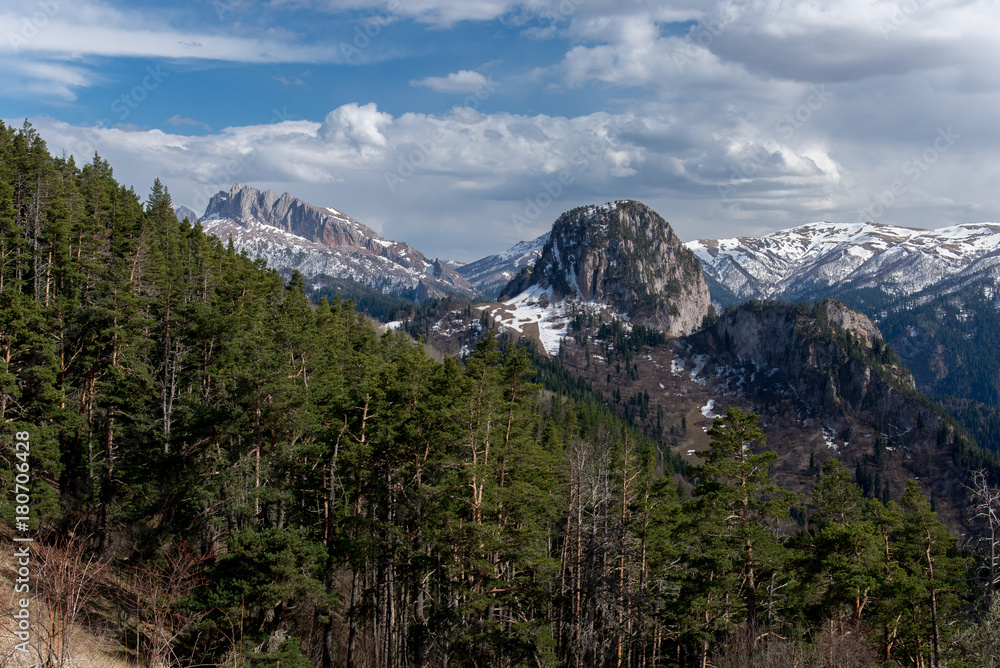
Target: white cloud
[(762, 115), (177, 119), (444, 13), (356, 126), (46, 79), (463, 81), (72, 30), (384, 165)]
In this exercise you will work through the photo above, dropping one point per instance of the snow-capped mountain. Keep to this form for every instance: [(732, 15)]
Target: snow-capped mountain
[(291, 234), (833, 259), (492, 274)]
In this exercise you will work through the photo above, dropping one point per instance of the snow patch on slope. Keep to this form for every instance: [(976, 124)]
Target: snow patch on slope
[(533, 313)]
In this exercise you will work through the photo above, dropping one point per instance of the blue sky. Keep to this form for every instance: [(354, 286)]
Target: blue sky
[(463, 127)]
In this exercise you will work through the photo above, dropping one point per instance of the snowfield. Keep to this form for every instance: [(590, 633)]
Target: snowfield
[(897, 260)]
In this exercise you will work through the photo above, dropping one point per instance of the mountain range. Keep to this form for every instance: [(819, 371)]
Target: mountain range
[(931, 292), (864, 264), (323, 243), (855, 261), (622, 310)]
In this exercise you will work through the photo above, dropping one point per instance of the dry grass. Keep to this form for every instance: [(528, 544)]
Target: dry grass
[(89, 647)]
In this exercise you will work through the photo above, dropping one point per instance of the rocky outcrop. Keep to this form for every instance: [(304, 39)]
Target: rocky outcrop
[(290, 214), (626, 256), (293, 235), (825, 365), (830, 355)]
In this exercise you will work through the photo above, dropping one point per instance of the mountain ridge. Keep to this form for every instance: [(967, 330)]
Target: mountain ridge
[(806, 261), (291, 234), (933, 291), (491, 274)]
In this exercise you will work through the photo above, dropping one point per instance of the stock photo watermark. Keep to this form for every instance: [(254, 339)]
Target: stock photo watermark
[(898, 17), (795, 120), (22, 541), (122, 107), (787, 127), (552, 188), (564, 10), (33, 24), (367, 32), (702, 36), (914, 169)]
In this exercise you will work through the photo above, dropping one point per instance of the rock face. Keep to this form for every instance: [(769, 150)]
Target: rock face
[(825, 353), (183, 212), (327, 227), (293, 235), (626, 256)]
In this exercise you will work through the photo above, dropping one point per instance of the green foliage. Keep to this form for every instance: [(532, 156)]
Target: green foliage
[(737, 497), (288, 656), (355, 503), (366, 299)]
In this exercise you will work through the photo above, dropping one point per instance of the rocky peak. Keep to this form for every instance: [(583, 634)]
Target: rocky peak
[(625, 255), (853, 322), (328, 227), (183, 212), (291, 234)]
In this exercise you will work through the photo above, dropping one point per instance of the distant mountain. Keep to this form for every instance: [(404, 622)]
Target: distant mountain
[(862, 263), (620, 261), (183, 212), (625, 256), (491, 274), (291, 234), (932, 292)]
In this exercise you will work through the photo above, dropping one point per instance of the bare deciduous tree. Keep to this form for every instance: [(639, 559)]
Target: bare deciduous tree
[(159, 591), (986, 509), (68, 577)]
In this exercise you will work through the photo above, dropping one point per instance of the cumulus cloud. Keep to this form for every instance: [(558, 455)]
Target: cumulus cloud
[(728, 117), (357, 126), (382, 164)]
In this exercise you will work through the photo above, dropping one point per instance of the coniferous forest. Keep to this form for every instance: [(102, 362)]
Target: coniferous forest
[(223, 473)]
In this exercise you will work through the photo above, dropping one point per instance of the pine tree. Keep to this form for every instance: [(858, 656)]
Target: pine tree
[(744, 504), (846, 544), (928, 557)]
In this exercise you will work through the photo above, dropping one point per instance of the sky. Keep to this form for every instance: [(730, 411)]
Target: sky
[(464, 126)]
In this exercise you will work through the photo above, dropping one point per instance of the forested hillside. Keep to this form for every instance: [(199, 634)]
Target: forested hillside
[(222, 473)]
